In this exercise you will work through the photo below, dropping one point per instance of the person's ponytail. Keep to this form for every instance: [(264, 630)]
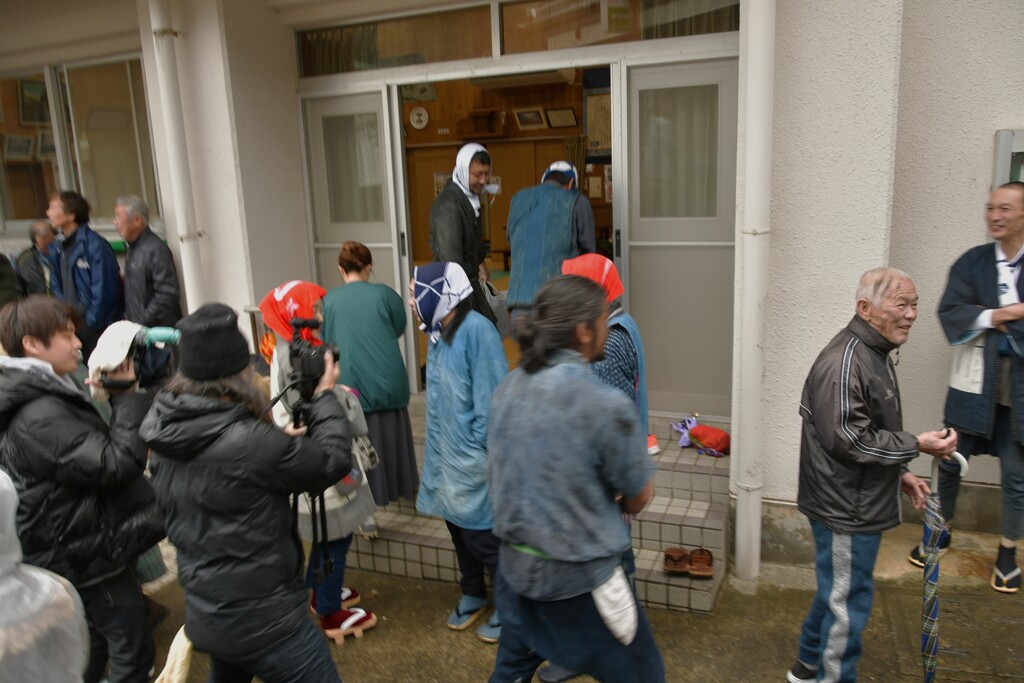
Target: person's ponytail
[(560, 305)]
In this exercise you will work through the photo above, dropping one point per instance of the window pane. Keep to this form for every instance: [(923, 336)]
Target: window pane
[(541, 25), (354, 175), (111, 136), (679, 152), (422, 39), (29, 172)]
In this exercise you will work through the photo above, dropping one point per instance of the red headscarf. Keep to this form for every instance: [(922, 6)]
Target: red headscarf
[(293, 299), (598, 269)]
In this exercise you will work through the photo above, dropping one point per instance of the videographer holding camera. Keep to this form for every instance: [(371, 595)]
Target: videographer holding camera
[(223, 476), (292, 311)]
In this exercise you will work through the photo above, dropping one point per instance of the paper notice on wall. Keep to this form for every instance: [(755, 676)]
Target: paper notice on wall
[(594, 187), (608, 183), (614, 16)]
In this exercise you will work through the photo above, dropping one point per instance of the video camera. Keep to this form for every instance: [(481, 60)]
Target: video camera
[(307, 360), (152, 363)]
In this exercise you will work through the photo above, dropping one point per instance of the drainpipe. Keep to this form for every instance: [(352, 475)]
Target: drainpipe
[(177, 151), (760, 74)]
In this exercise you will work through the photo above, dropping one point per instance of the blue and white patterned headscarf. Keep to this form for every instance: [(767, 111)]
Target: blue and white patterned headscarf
[(437, 289)]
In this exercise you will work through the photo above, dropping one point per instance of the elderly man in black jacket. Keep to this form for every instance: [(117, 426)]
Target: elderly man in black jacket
[(35, 264), (853, 456), (86, 512), (151, 296), (223, 474)]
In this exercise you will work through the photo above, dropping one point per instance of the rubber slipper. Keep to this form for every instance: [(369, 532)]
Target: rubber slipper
[(702, 563), (677, 561)]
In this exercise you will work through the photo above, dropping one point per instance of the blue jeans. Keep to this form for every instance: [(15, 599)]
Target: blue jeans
[(1011, 470), (572, 633), (118, 631), (831, 637), (302, 657), (328, 593)]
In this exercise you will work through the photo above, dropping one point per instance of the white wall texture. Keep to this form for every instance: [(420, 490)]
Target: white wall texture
[(960, 82), (263, 82), (836, 93)]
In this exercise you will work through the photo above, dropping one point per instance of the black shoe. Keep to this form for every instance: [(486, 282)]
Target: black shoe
[(552, 673), (917, 555), (1006, 573), (801, 673)]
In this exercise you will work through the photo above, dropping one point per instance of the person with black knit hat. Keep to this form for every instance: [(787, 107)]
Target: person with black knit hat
[(223, 474)]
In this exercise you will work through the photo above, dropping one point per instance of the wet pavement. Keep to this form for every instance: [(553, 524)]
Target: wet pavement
[(750, 636)]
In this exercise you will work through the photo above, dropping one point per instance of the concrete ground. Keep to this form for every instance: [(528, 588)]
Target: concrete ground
[(750, 636)]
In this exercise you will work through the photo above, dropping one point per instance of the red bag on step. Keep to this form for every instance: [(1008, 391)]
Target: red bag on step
[(712, 440)]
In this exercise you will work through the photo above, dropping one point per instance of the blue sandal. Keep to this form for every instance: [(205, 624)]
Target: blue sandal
[(466, 612)]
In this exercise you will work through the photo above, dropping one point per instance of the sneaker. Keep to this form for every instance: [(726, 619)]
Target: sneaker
[(491, 631), (346, 622), (652, 445), (917, 554), (801, 673), (1006, 574), (552, 673), (368, 529), (466, 612)]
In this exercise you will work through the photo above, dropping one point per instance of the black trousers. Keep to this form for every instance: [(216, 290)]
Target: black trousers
[(475, 550), (118, 630)]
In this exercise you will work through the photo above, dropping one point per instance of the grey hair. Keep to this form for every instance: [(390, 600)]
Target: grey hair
[(33, 233), (238, 388), (875, 284), (134, 205)]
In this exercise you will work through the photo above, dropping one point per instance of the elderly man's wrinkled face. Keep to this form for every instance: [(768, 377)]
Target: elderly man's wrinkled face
[(894, 318)]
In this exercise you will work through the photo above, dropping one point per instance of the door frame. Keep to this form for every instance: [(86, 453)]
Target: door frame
[(386, 83)]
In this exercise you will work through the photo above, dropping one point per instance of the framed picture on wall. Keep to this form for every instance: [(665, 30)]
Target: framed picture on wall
[(45, 147), (33, 103), (562, 118), (18, 147), (530, 119)]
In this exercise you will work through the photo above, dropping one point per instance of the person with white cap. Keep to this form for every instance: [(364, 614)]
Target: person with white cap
[(547, 224), (456, 234)]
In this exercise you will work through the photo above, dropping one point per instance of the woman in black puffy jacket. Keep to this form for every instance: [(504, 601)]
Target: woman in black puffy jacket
[(223, 476)]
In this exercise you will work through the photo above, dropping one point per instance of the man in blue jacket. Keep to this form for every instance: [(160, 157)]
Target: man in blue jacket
[(88, 278), (982, 315)]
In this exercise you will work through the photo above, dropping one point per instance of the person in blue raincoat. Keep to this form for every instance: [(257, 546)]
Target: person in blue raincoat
[(465, 363)]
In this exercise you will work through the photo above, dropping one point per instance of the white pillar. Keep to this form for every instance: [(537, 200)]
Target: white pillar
[(759, 85), (177, 152)]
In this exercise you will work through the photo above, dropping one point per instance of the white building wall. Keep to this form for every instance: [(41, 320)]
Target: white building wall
[(836, 93), (961, 81), (263, 80)]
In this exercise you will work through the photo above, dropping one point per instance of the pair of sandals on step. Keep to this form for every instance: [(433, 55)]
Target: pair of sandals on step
[(698, 563)]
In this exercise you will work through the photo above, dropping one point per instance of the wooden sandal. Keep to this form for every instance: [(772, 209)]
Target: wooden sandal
[(677, 561), (702, 563)]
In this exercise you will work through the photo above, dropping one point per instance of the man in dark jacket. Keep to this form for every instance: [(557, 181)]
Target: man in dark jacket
[(455, 231), (88, 278), (223, 476), (151, 296), (35, 269), (982, 315), (86, 512), (853, 455)]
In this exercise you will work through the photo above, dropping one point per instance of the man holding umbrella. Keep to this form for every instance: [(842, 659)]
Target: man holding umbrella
[(853, 456)]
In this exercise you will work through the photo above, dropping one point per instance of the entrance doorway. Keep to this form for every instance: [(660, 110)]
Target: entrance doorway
[(378, 159)]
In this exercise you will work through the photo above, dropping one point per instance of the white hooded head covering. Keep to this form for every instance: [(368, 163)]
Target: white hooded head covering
[(43, 635), (461, 172)]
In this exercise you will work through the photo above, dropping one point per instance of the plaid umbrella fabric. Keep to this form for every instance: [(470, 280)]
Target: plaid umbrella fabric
[(934, 527)]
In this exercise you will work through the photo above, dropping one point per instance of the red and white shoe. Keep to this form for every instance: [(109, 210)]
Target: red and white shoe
[(652, 445), (347, 623)]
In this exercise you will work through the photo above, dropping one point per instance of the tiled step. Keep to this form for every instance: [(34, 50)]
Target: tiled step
[(690, 509)]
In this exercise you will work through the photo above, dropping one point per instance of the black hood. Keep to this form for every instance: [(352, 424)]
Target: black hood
[(19, 386), (181, 426)]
